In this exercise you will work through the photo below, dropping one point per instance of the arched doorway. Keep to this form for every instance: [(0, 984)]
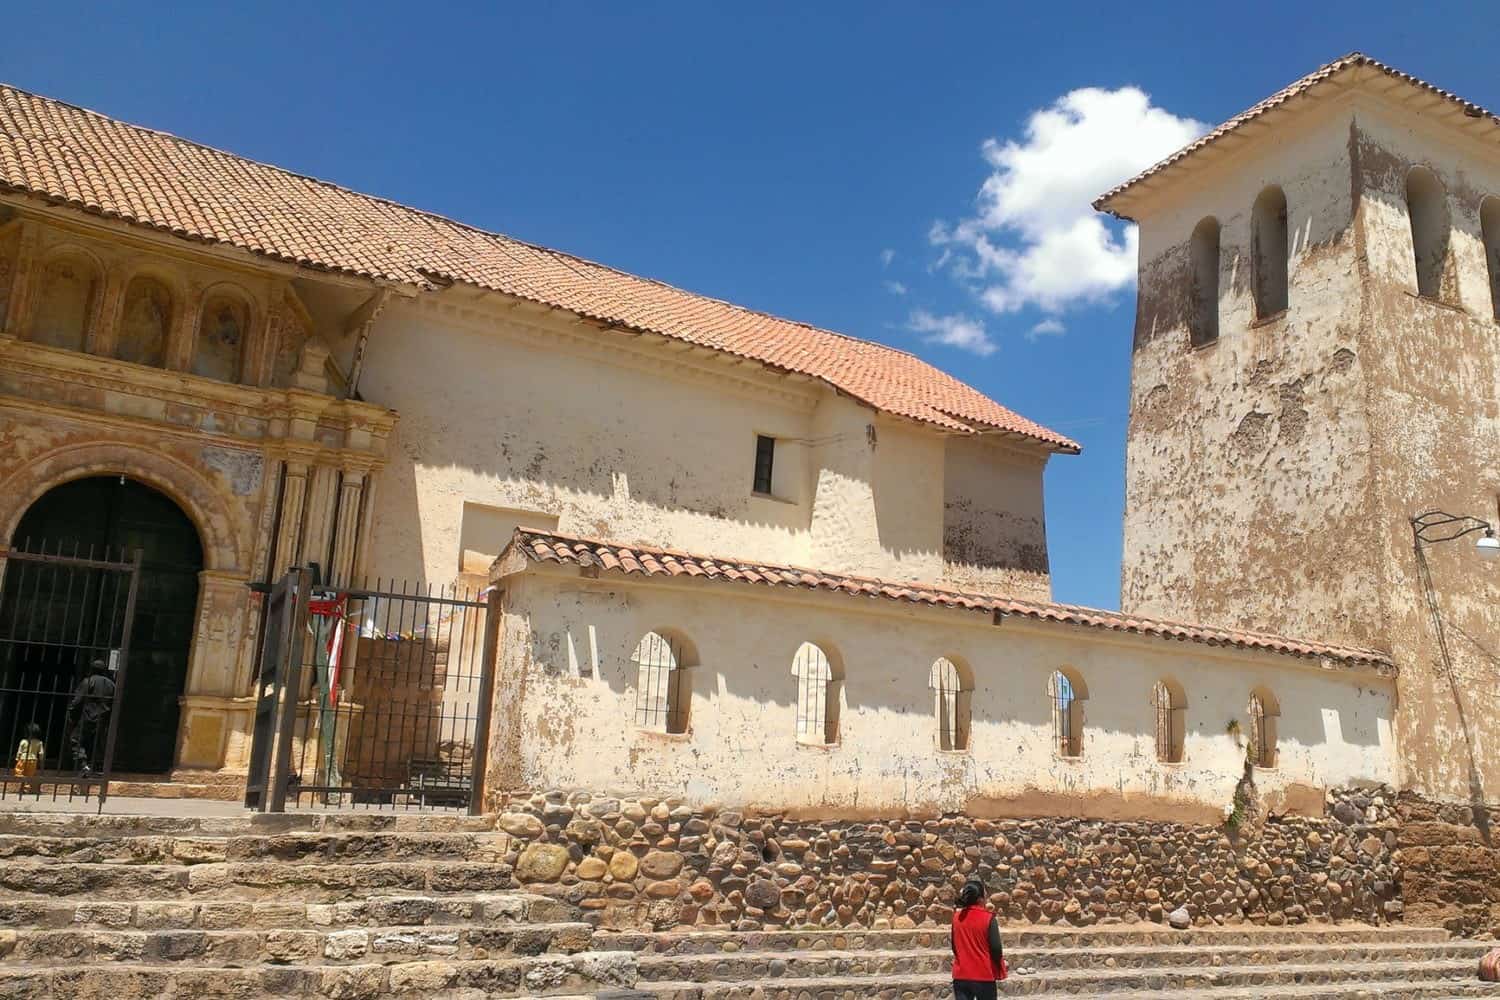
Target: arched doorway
[(124, 515)]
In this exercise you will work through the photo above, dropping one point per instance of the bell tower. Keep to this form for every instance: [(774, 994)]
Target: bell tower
[(1316, 360)]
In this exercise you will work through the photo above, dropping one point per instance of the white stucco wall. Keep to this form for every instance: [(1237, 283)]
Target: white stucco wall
[(994, 524), (566, 695), (598, 442), (508, 416)]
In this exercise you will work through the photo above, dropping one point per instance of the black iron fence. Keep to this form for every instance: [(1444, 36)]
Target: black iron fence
[(65, 621), (372, 697)]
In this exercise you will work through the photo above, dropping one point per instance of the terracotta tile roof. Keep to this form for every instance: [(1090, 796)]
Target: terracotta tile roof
[(90, 162), (1301, 87), (550, 546)]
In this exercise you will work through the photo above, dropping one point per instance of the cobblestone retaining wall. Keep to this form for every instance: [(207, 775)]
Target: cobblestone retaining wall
[(641, 862)]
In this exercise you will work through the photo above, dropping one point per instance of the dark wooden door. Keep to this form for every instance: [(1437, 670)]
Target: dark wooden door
[(124, 515)]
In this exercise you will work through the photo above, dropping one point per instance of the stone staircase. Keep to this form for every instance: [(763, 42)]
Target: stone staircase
[(1344, 961), (357, 906), (340, 906)]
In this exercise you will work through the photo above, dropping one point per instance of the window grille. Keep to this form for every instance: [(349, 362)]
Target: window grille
[(662, 692), (765, 460), (1262, 732), (817, 718), (1067, 728), (1169, 735), (951, 694)]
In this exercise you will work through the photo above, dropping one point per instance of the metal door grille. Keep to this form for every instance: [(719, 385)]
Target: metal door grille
[(1262, 734), (662, 694), (384, 700), (952, 697), (816, 723), (63, 609), (1168, 731), (1067, 732)]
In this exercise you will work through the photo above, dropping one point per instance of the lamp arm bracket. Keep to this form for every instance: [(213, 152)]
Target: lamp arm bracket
[(1435, 526)]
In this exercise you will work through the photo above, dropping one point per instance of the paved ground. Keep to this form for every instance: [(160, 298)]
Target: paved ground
[(121, 806)]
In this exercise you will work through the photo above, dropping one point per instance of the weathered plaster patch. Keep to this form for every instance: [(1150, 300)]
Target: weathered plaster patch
[(243, 469)]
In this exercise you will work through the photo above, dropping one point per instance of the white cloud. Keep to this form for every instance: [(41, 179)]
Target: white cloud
[(1035, 240), (1051, 326), (963, 332), (886, 256), (895, 288)]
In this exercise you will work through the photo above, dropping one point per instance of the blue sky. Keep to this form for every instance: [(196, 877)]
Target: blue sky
[(874, 168)]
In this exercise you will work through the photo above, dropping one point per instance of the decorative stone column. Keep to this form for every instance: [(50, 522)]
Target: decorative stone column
[(317, 529), (23, 284), (183, 336), (221, 643), (347, 531), (106, 319), (289, 530)]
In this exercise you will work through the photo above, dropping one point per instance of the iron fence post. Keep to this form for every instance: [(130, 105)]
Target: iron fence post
[(493, 607), (290, 692), (120, 676)]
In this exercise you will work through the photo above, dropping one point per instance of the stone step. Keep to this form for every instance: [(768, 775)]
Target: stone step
[(546, 975), (858, 939), (753, 966), (61, 824), (940, 988), (382, 945), (489, 909), (250, 880), (300, 846), (54, 787)]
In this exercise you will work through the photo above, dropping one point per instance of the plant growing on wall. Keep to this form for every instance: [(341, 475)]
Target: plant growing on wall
[(1243, 806)]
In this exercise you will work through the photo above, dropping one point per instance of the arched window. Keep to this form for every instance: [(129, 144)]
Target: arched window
[(144, 322), (1489, 225), (1263, 714), (952, 687), (1171, 710), (1427, 209), (1205, 253), (817, 696), (1268, 238), (65, 304), (1065, 689), (663, 694), (221, 338)]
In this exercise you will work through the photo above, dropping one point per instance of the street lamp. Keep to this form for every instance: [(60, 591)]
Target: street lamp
[(1435, 526)]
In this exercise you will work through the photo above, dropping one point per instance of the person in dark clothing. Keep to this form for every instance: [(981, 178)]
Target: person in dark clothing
[(978, 958), (89, 707)]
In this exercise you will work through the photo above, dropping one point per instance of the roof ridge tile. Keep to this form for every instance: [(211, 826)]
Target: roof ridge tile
[(549, 546)]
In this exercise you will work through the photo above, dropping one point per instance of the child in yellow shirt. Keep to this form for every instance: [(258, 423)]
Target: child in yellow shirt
[(30, 753)]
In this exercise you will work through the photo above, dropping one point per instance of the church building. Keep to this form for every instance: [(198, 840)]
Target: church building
[(734, 559)]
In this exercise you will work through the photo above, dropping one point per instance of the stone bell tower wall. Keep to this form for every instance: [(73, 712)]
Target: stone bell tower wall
[(1433, 363), (1272, 472), (1249, 455)]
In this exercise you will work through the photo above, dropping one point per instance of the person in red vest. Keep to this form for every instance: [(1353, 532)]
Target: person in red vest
[(978, 958)]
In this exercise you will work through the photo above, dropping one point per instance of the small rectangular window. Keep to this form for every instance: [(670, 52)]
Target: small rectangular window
[(765, 458)]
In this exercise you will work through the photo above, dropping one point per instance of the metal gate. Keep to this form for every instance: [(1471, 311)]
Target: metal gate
[(372, 697), (65, 621)]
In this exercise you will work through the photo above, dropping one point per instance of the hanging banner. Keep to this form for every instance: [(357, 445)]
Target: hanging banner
[(327, 619), (333, 608)]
